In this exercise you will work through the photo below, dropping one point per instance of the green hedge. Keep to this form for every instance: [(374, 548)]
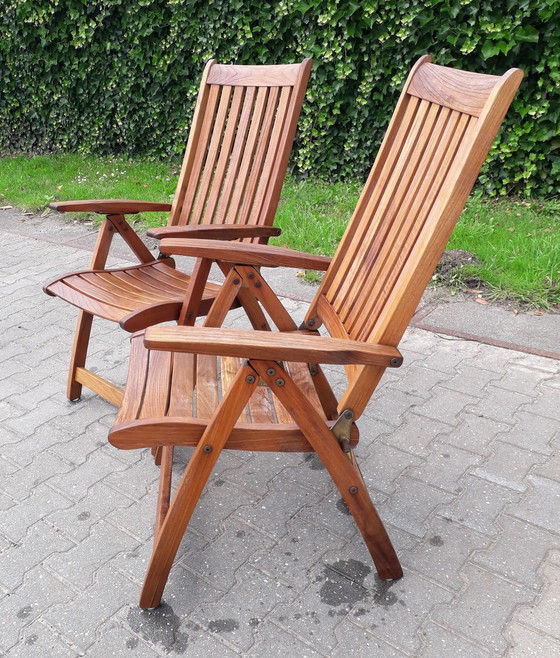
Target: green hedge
[(121, 76)]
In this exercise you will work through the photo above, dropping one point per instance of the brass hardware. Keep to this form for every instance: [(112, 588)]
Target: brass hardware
[(343, 428)]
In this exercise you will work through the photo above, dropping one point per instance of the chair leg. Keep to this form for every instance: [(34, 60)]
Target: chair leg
[(79, 353), (192, 483), (342, 468), (164, 495)]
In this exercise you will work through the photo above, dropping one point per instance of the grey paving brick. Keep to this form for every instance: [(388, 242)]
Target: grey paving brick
[(550, 468), (419, 380), (25, 424), (391, 405), (528, 643), (42, 500), (546, 404), (443, 552), (288, 561), (471, 380), (77, 482), (136, 480), (551, 366), (439, 642), (114, 640), (79, 619), (481, 611), (479, 506), (522, 379), (445, 405), (518, 552), (237, 616), (499, 404), (449, 353), (357, 641), (492, 358), (25, 604), (474, 433), (508, 466), (275, 642), (79, 564), (44, 467), (531, 432), (410, 507), (23, 451), (255, 474), (38, 641), (541, 504), (308, 472), (273, 511), (416, 434), (444, 467), (544, 613)]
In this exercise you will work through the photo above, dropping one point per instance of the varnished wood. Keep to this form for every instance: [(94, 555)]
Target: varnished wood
[(263, 390), (100, 385), (229, 187)]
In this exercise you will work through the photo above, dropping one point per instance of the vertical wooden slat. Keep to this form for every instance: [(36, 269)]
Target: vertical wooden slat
[(210, 163), (246, 214), (156, 391), (181, 396), (189, 184), (206, 389), (224, 157), (231, 180), (229, 365)]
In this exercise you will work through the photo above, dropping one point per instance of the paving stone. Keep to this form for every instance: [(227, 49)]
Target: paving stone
[(545, 405), (137, 516), (419, 380), (518, 552), (531, 432), (385, 464), (254, 475), (25, 604), (450, 353), (77, 482), (416, 434), (551, 366), (439, 642), (38, 641), (114, 640), (544, 613), (479, 505), (499, 404), (308, 472), (493, 358), (44, 467), (528, 643), (237, 616), (136, 480), (444, 467), (273, 511), (541, 505), (522, 379), (79, 564), (508, 466), (445, 405), (44, 412), (549, 469), (481, 611), (443, 552), (474, 433), (79, 619), (275, 642), (24, 450), (357, 641), (471, 380), (218, 560), (288, 561), (42, 500), (410, 507), (390, 406)]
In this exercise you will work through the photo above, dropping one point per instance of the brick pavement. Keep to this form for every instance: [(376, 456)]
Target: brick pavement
[(459, 450)]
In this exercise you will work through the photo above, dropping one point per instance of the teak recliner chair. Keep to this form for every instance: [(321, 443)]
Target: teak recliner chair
[(214, 388), (229, 186)]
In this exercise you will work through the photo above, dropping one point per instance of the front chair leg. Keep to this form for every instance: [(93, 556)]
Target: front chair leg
[(192, 483)]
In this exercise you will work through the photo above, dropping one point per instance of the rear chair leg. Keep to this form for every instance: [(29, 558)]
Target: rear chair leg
[(79, 353)]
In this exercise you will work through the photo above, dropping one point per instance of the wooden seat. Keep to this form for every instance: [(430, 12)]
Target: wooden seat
[(234, 166), (215, 388)]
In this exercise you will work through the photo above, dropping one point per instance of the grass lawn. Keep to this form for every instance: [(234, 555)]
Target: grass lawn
[(517, 242)]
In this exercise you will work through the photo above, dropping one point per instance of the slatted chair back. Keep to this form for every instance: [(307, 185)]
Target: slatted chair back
[(442, 129), (240, 141)]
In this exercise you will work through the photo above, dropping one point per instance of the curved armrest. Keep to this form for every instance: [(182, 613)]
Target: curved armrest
[(110, 206), (214, 231), (244, 253), (265, 345)]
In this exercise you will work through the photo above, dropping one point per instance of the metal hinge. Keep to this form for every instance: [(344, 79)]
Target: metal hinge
[(342, 429)]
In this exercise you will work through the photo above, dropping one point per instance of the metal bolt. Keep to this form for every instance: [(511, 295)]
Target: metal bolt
[(207, 449), (353, 490), (189, 314), (249, 379), (251, 275), (313, 370), (258, 284), (311, 323), (271, 372), (279, 382), (264, 325), (395, 361), (235, 282), (348, 415)]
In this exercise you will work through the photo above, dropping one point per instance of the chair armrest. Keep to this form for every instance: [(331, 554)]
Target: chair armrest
[(110, 206), (244, 253), (214, 231), (266, 346)]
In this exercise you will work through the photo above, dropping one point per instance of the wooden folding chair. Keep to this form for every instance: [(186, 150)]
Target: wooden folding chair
[(233, 170), (199, 386)]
